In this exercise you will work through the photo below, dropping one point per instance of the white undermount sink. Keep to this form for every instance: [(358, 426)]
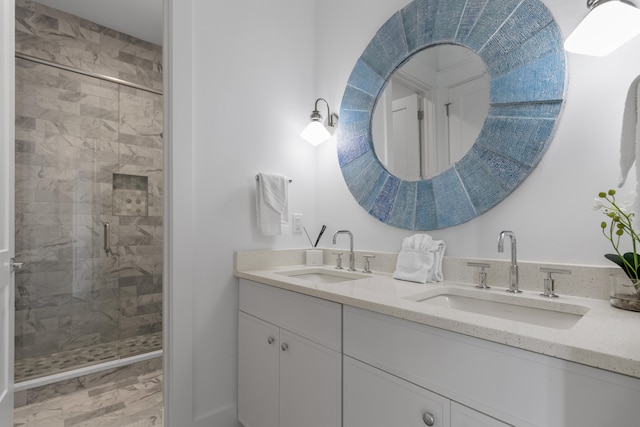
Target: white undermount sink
[(517, 308), (321, 275)]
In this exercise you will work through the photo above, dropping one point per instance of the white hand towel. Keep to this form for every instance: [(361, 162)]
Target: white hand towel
[(413, 265), (420, 259), (272, 203), (417, 241), (630, 140), (435, 273)]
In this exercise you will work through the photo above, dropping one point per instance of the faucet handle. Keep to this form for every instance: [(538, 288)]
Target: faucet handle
[(482, 275), (367, 267), (549, 283), (338, 260)]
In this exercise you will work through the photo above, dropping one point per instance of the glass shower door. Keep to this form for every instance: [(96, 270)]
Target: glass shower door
[(89, 212), (67, 296)]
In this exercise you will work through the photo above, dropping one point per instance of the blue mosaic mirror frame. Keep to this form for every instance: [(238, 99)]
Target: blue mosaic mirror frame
[(522, 47)]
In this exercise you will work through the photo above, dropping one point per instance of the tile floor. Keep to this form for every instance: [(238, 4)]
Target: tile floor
[(123, 397)]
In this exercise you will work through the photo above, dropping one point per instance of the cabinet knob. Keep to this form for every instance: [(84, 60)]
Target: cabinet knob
[(270, 340), (284, 346), (428, 419)]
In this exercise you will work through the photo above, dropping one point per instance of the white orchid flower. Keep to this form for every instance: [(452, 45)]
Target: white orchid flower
[(599, 203)]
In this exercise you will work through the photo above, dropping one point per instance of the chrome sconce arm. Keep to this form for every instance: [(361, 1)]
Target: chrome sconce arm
[(315, 133)]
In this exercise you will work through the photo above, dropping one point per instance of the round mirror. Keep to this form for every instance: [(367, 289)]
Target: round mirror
[(521, 46), (431, 111)]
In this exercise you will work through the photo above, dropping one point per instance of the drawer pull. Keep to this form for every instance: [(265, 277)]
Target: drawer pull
[(270, 340), (284, 346), (428, 419)]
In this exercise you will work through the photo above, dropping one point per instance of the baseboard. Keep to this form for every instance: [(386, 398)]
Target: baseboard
[(227, 416)]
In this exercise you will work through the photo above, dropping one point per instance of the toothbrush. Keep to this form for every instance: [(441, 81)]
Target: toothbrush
[(324, 227)]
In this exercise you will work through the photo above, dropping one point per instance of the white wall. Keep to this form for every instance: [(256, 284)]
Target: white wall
[(253, 80), (551, 212), (178, 286)]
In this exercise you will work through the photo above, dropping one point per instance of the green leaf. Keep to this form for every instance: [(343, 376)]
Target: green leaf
[(631, 272)]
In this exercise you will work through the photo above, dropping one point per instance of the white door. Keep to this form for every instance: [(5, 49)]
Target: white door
[(6, 209)]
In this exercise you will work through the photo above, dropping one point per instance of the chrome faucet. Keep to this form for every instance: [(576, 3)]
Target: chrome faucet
[(513, 270), (352, 255)]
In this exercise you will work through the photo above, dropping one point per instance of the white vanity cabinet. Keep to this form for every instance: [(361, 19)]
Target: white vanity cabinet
[(463, 416), (487, 384), (289, 359), (258, 372), (374, 398)]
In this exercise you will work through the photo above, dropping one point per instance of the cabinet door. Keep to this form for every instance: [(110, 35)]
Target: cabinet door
[(257, 372), (463, 416), (310, 383), (374, 398)]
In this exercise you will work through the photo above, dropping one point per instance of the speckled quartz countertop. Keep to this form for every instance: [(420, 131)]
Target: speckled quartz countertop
[(605, 337)]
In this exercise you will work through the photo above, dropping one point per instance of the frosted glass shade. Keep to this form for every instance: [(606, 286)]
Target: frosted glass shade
[(315, 133), (606, 28)]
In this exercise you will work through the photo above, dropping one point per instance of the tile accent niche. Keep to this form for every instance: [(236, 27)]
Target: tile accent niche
[(88, 151), (129, 195)]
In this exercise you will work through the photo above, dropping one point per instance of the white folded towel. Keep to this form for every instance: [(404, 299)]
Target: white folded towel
[(630, 139), (272, 203), (420, 259), (413, 265), (437, 247)]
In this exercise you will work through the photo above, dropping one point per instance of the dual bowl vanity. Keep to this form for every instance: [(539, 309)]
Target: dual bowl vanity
[(363, 349)]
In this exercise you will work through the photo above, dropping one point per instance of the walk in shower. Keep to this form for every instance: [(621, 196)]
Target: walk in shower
[(88, 197)]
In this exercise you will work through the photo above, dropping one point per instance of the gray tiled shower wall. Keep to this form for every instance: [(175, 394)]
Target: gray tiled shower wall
[(88, 151)]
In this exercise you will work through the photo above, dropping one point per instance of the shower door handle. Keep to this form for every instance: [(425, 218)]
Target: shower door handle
[(107, 238)]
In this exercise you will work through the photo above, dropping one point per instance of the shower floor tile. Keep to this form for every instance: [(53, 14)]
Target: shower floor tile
[(127, 402), (36, 367)]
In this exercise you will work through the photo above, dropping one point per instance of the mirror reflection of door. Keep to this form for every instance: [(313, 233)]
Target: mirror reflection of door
[(405, 152), (431, 112), (403, 130), (467, 108)]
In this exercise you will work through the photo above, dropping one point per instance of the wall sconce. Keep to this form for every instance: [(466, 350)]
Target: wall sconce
[(609, 25), (316, 133)]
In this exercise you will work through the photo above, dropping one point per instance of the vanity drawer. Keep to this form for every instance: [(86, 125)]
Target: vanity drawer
[(313, 318), (375, 398)]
